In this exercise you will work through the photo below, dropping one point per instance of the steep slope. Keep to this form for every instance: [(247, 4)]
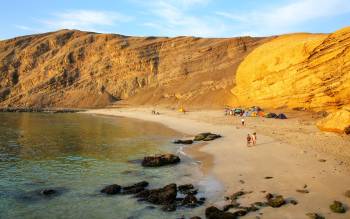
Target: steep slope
[(310, 71), (81, 69)]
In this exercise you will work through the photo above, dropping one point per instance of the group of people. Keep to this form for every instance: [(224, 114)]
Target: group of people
[(251, 139), (155, 112)]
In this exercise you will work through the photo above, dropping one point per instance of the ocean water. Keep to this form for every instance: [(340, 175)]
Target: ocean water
[(79, 154)]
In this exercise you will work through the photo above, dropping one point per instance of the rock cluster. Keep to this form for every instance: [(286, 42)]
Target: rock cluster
[(166, 196)]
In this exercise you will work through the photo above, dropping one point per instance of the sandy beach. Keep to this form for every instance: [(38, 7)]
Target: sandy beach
[(293, 152)]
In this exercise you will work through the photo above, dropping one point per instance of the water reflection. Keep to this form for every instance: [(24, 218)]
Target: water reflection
[(48, 136)]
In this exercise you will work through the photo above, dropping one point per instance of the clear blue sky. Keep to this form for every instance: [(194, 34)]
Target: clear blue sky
[(205, 18)]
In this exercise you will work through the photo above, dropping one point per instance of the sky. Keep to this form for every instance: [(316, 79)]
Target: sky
[(201, 18)]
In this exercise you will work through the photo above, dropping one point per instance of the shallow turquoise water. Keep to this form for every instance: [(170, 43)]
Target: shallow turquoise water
[(79, 154)]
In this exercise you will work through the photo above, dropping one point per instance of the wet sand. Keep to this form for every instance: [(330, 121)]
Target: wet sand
[(290, 154), (206, 160)]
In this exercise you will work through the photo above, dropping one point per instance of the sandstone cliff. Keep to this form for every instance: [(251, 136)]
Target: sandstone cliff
[(70, 68), (309, 71), (81, 69)]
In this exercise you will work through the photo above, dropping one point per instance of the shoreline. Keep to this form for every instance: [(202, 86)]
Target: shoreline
[(39, 110), (242, 168)]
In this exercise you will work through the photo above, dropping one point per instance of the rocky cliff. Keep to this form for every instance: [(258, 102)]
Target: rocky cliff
[(310, 71), (81, 69), (70, 68)]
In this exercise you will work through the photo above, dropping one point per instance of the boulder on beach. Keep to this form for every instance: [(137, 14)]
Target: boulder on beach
[(276, 201), (179, 141), (206, 136), (201, 136), (111, 189), (211, 137), (163, 196), (215, 213), (337, 207), (160, 160)]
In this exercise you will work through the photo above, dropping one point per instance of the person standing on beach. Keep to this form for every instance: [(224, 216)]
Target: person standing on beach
[(249, 138), (254, 138), (242, 121)]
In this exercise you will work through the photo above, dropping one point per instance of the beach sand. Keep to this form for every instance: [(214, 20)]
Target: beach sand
[(287, 150)]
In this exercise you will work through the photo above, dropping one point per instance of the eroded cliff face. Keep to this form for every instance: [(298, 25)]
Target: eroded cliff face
[(80, 69), (71, 68), (311, 71)]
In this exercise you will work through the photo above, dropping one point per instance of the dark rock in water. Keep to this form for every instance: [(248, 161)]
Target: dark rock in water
[(48, 192), (211, 137), (215, 213), (169, 207), (184, 188), (139, 184), (179, 199), (195, 217), (201, 136), (39, 195), (162, 196), (187, 189), (305, 191), (179, 141), (111, 189), (347, 194), (202, 199), (314, 216), (161, 160), (337, 207), (136, 188), (142, 195), (276, 202), (190, 201)]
